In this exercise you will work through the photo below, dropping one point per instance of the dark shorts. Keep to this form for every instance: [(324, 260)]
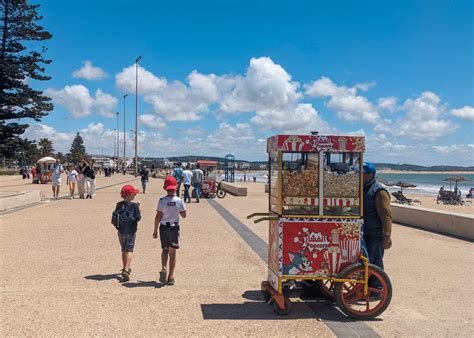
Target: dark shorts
[(127, 241), (169, 236)]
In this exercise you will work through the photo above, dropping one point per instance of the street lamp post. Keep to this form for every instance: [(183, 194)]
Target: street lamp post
[(136, 114), (117, 139), (124, 137)]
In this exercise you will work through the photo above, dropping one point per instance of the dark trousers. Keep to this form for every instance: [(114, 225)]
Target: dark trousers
[(187, 196), (197, 190), (177, 190), (375, 250)]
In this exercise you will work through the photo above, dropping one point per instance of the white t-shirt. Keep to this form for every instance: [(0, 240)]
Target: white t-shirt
[(72, 176), (188, 176), (170, 207)]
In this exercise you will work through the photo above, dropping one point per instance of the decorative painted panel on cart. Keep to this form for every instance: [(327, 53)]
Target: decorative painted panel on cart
[(273, 245), (312, 143), (319, 248)]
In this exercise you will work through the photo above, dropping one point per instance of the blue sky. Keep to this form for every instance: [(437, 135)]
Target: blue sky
[(222, 76)]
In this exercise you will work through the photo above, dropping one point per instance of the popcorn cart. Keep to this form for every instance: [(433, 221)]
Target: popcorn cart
[(210, 185), (315, 224)]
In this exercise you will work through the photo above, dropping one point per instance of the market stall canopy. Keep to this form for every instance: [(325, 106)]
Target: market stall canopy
[(47, 159), (402, 185), (207, 163)]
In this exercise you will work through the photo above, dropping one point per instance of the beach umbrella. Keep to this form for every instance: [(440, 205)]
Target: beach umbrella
[(402, 185), (456, 179), (47, 159), (382, 180)]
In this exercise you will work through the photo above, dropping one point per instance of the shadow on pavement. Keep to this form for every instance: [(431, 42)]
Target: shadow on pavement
[(104, 277), (251, 311), (143, 284), (308, 307)]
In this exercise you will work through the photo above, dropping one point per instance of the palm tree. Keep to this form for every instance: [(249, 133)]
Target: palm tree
[(46, 147)]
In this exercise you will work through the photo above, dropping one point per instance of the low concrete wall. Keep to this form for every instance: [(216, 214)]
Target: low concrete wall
[(451, 223), (20, 198), (233, 189)]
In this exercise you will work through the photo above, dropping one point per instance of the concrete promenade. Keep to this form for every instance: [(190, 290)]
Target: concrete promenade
[(60, 262)]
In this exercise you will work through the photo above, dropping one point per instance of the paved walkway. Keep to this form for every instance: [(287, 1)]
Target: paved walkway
[(60, 259)]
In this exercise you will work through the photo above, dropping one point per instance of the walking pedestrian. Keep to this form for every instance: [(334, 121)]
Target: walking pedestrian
[(144, 177), (377, 219), (71, 181), (56, 171), (125, 218), (187, 180), (168, 211), (81, 179), (89, 173), (178, 174), (198, 176)]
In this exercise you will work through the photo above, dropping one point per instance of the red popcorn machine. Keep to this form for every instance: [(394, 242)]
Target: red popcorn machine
[(315, 224)]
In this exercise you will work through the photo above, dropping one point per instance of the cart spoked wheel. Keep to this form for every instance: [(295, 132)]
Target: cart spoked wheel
[(221, 193), (327, 288), (350, 296), (282, 312)]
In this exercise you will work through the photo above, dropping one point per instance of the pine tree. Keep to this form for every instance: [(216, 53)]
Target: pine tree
[(18, 64), (45, 147), (77, 153)]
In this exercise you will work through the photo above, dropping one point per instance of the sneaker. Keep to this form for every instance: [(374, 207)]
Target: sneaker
[(126, 275), (163, 273), (170, 281)]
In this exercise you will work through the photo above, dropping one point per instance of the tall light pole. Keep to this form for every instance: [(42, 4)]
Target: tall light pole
[(136, 114), (124, 136), (117, 137)]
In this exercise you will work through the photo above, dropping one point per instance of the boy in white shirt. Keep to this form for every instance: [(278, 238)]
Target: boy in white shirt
[(168, 211)]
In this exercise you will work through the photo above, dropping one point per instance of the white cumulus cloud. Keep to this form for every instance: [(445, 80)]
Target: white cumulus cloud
[(152, 121), (344, 100), (422, 119), (466, 112), (80, 103), (387, 103), (89, 72)]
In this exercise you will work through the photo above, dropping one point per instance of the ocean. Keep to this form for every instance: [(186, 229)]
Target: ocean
[(427, 184)]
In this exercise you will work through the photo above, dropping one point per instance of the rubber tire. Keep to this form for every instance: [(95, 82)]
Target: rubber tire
[(221, 193), (339, 295), (283, 312)]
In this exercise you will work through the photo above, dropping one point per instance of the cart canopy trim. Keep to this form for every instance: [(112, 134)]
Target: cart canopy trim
[(315, 143)]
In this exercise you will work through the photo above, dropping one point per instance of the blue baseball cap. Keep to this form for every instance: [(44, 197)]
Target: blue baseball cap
[(369, 168)]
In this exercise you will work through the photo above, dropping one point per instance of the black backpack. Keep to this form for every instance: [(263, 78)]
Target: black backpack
[(122, 215)]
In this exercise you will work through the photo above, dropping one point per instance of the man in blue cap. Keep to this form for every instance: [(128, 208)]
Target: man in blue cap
[(377, 216)]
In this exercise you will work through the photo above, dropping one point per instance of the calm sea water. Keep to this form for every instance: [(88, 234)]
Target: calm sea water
[(427, 184)]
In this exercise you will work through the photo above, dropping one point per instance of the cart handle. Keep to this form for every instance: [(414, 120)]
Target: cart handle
[(257, 214), (261, 219)]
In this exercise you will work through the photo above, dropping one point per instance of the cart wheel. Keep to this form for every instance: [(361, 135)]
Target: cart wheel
[(327, 288), (350, 296), (221, 193), (266, 296), (282, 312)]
